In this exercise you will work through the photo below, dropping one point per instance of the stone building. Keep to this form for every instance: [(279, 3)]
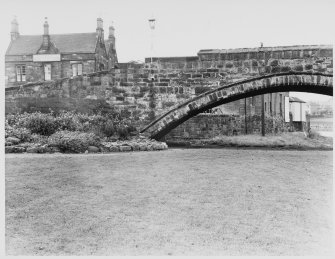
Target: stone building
[(298, 112), (31, 58)]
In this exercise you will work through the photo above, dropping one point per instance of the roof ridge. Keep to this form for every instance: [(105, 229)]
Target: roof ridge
[(35, 35), (66, 43), (74, 33)]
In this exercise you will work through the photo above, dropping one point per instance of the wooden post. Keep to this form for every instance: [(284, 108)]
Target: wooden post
[(245, 116), (263, 117)]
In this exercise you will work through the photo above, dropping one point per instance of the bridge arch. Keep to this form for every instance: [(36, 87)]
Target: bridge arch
[(318, 83)]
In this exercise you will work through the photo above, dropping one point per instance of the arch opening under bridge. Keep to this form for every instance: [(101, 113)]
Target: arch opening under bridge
[(318, 83)]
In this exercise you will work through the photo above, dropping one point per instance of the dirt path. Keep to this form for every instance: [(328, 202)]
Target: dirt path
[(175, 202)]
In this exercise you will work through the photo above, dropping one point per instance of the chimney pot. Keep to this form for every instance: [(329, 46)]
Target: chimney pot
[(99, 23), (111, 31), (46, 37), (46, 26), (14, 32)]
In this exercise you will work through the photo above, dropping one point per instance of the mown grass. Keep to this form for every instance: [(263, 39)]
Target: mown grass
[(290, 140), (178, 202)]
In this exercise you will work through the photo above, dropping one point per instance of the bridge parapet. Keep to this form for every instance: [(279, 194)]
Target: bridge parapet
[(268, 53)]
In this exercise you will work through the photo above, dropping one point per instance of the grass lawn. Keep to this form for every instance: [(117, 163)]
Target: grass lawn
[(175, 202), (290, 140)]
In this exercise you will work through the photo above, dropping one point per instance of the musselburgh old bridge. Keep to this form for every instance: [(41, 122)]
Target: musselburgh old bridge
[(164, 93)]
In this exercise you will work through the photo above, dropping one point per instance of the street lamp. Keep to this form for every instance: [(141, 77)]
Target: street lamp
[(152, 24)]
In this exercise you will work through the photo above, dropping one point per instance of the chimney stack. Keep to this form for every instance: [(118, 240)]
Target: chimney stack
[(14, 32), (111, 36), (46, 26), (100, 29), (46, 36)]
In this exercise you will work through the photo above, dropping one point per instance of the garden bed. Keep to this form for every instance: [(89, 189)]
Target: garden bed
[(136, 144), (70, 132)]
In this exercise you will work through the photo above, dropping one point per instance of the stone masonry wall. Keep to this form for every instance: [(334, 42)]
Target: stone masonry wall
[(130, 88), (204, 126)]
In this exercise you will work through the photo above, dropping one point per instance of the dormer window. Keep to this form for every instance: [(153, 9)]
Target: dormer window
[(20, 73)]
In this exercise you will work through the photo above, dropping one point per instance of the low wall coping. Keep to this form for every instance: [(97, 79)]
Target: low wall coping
[(280, 48)]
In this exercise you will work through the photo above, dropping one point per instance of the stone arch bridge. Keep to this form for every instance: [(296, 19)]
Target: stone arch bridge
[(318, 83)]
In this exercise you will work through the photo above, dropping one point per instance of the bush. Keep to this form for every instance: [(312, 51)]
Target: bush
[(11, 119), (66, 121), (22, 133), (103, 125), (131, 128), (73, 141), (39, 123), (123, 132), (108, 128), (39, 139)]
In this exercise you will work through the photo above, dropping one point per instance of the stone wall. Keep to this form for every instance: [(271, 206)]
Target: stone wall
[(206, 126), (130, 88)]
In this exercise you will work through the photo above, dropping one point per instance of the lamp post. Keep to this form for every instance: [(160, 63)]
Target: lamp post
[(152, 24)]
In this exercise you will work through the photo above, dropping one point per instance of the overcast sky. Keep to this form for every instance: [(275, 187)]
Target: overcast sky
[(183, 27)]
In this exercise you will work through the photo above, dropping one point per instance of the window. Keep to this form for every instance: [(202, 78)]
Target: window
[(47, 72), (265, 106), (77, 69), (21, 73)]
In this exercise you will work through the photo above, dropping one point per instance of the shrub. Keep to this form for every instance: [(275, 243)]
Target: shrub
[(73, 141), (66, 121), (39, 123), (123, 132), (11, 119), (17, 120), (40, 139), (22, 133), (104, 125), (131, 128), (108, 128)]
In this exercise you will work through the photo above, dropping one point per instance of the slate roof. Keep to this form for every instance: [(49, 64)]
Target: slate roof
[(66, 43)]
